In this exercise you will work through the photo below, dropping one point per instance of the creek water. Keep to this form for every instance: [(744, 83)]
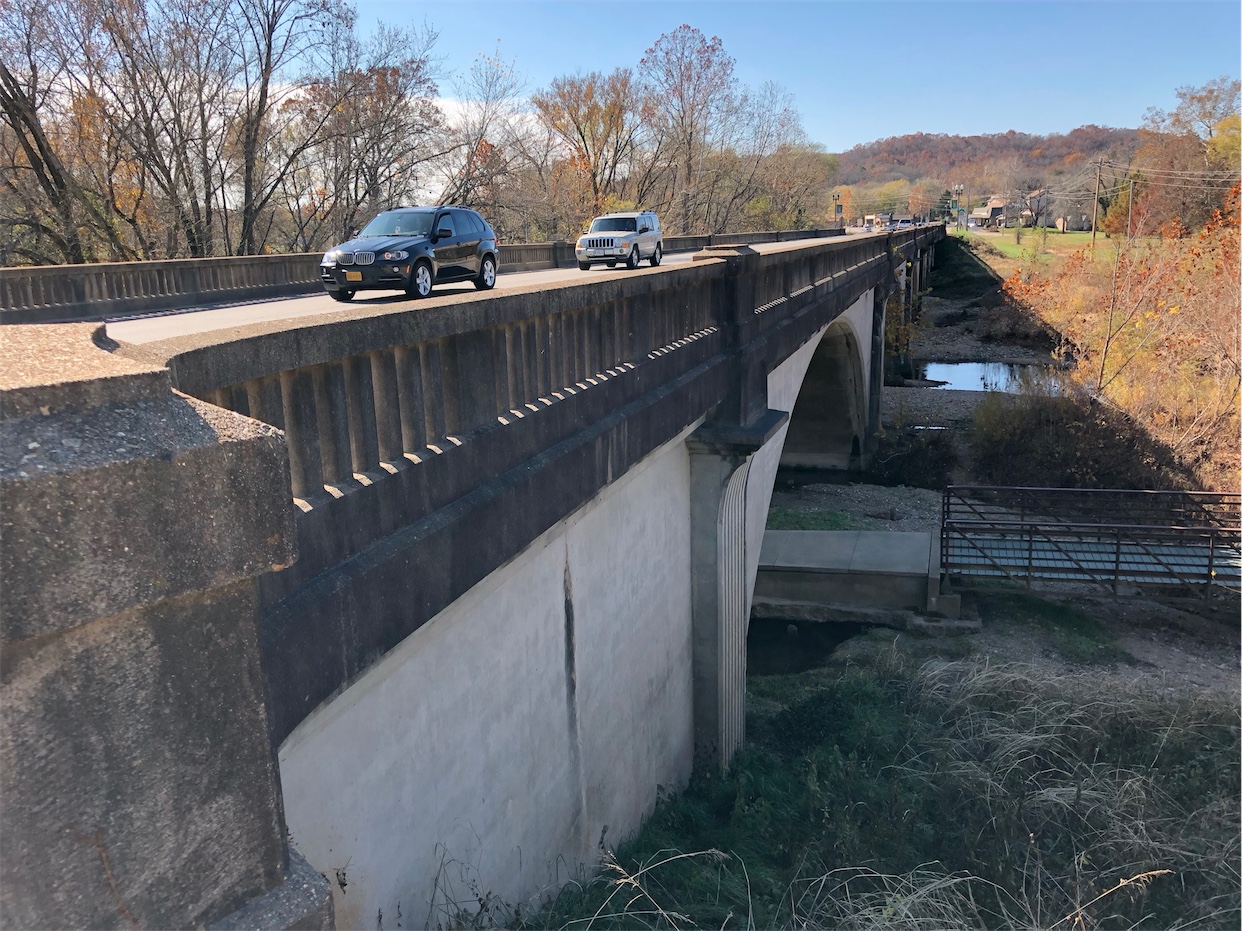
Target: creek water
[(1006, 377)]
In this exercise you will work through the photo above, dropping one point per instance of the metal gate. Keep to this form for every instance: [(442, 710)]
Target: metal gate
[(1104, 536)]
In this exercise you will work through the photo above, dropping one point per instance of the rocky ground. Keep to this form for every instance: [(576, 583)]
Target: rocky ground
[(1170, 644)]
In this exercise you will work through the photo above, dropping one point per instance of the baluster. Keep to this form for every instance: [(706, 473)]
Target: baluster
[(520, 365), (332, 410), (301, 433), (542, 355), (410, 399), (433, 391), (556, 365), (510, 343), (263, 397), (387, 408), (450, 386), (360, 401)]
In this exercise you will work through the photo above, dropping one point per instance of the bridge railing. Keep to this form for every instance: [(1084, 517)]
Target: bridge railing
[(1102, 536), (57, 293)]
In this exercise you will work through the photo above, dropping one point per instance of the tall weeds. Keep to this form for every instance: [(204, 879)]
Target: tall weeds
[(952, 795)]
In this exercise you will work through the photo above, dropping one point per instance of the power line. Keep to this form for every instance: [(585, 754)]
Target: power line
[(1174, 173)]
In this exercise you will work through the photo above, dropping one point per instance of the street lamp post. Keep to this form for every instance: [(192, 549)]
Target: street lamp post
[(957, 200), (836, 206)]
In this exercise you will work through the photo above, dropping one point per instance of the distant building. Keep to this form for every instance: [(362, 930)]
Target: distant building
[(992, 214)]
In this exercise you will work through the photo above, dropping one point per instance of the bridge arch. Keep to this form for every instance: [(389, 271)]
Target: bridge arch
[(828, 420)]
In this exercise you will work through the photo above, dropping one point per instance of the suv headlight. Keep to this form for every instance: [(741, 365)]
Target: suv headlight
[(329, 257), (625, 244), (396, 256)]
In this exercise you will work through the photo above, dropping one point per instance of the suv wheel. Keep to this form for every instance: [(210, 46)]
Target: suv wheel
[(342, 296), (420, 281), (631, 260), (584, 266), (656, 256), (487, 274)]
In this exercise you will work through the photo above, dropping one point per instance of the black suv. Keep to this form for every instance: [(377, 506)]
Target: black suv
[(411, 248)]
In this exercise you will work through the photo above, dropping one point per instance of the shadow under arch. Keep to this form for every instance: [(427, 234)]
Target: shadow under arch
[(829, 419)]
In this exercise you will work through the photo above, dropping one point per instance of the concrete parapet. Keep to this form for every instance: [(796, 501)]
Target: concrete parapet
[(56, 293), (59, 293), (139, 782)]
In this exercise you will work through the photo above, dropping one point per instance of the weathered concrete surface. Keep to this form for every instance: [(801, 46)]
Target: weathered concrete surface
[(878, 569), (139, 786), (538, 714)]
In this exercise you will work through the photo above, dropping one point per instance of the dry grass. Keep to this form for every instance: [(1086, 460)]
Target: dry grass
[(948, 795)]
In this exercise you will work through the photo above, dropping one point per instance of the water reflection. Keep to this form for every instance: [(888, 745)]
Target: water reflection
[(1006, 377)]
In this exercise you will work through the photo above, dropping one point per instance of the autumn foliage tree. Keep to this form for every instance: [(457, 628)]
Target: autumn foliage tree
[(1154, 332), (137, 129)]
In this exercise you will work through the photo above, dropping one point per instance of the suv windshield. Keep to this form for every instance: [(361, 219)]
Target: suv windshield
[(614, 225), (400, 223)]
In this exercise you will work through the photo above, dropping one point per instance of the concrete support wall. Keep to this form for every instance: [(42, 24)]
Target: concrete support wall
[(139, 788), (536, 717)]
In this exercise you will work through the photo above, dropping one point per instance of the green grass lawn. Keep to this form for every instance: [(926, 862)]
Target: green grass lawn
[(1035, 242)]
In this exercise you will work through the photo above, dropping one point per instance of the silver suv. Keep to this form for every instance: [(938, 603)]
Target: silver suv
[(621, 237)]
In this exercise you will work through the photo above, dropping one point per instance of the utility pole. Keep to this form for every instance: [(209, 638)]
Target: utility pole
[(1130, 212), (1095, 206)]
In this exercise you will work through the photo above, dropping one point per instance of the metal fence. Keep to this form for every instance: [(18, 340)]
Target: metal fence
[(1102, 536)]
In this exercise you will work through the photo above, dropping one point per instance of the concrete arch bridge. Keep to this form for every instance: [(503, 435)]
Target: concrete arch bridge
[(392, 593)]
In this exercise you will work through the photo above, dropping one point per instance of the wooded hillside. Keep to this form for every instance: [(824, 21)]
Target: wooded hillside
[(971, 158)]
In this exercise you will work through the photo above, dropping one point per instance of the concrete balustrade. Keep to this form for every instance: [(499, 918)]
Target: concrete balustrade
[(58, 293)]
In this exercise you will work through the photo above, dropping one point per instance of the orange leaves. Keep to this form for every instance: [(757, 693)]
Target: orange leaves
[(1157, 333)]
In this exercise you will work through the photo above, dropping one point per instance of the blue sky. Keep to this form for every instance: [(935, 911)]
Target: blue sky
[(862, 71)]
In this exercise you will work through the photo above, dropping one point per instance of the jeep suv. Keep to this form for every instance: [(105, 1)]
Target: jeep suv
[(621, 237), (411, 248)]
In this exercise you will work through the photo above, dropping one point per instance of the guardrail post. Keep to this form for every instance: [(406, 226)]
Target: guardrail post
[(1211, 566), (1117, 566)]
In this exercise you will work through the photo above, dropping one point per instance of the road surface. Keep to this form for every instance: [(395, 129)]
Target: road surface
[(153, 327)]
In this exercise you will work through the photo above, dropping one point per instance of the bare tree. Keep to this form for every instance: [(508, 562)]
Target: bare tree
[(692, 76), (484, 132)]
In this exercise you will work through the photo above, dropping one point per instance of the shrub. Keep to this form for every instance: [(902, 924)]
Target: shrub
[(1067, 441)]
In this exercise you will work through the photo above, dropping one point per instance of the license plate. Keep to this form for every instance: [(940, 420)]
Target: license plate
[(595, 251), (353, 276)]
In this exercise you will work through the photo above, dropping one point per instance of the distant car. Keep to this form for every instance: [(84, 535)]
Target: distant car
[(411, 249), (868, 228), (904, 225), (621, 237)]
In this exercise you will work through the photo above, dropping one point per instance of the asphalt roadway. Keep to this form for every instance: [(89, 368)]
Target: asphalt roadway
[(158, 326)]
